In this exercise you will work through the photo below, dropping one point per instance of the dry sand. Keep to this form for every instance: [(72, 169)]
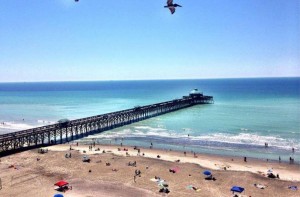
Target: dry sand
[(29, 177)]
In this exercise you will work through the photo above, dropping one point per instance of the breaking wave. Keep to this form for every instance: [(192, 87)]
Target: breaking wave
[(219, 139)]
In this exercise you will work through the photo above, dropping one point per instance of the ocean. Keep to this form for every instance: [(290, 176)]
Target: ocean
[(246, 114)]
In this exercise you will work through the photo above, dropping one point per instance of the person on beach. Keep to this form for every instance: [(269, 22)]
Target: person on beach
[(245, 159), (293, 150), (266, 145), (291, 160), (279, 159)]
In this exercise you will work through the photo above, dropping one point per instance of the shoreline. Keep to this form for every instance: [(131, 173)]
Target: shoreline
[(200, 153), (210, 161)]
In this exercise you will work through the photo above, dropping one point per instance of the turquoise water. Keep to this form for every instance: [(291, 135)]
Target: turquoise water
[(247, 113)]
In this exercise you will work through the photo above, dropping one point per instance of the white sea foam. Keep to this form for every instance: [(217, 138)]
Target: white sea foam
[(45, 122), (239, 139), (15, 126), (12, 126), (250, 139)]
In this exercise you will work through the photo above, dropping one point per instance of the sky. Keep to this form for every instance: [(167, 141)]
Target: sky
[(91, 40)]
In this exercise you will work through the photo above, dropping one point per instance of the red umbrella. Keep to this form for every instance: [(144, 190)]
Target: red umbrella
[(61, 183)]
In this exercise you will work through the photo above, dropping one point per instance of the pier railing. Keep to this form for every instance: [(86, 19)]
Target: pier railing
[(79, 128)]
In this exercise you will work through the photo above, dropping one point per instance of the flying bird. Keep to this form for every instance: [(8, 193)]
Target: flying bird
[(172, 6)]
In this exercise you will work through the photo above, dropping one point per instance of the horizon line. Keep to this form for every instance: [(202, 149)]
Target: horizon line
[(171, 79)]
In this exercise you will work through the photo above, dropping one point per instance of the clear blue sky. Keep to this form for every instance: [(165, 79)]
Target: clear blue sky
[(60, 40)]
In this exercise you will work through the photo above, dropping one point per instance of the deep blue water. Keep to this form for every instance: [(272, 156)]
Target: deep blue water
[(246, 114)]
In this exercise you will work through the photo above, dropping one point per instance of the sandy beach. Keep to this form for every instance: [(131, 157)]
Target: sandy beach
[(108, 173)]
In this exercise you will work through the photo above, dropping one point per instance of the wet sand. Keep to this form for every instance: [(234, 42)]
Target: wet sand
[(22, 175)]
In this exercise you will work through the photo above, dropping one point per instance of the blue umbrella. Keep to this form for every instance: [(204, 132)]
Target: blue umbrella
[(237, 189), (207, 173), (58, 195)]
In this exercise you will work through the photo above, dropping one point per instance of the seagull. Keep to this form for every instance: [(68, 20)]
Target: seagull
[(172, 6)]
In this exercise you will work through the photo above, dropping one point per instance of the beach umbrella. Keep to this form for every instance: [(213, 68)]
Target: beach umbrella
[(207, 173), (58, 195), (61, 183), (237, 189)]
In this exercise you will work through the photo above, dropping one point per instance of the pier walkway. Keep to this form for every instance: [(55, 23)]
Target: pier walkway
[(65, 131)]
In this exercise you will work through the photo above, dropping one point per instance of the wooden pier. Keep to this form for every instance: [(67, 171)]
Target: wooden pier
[(65, 131)]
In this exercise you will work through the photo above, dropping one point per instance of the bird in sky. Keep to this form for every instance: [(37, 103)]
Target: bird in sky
[(172, 6)]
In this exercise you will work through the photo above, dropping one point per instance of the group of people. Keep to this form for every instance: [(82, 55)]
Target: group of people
[(42, 151), (136, 173), (279, 158), (68, 155), (132, 164)]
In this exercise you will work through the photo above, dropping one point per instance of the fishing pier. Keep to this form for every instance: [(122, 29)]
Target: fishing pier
[(66, 130)]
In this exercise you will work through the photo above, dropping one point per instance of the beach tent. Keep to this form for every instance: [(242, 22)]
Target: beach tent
[(61, 183), (58, 195), (237, 189), (207, 173)]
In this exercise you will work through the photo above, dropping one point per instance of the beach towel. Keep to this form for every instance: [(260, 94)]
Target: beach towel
[(191, 187), (175, 169), (158, 181), (260, 186), (163, 184)]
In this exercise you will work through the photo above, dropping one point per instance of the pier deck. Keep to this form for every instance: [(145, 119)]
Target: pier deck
[(79, 128)]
